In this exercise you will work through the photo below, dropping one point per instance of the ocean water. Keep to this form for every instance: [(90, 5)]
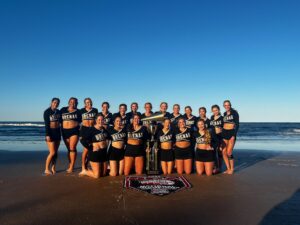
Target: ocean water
[(24, 136)]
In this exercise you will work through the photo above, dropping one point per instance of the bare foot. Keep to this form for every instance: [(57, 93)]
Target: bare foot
[(69, 170), (226, 172), (230, 172), (83, 173), (53, 169), (47, 172)]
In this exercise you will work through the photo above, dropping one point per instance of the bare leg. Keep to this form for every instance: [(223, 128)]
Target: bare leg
[(54, 159), (128, 165), (209, 168), (164, 167), (225, 156), (113, 168), (73, 152), (199, 167), (94, 172), (52, 152), (84, 159), (230, 147), (67, 143), (187, 163), (121, 167), (139, 165), (170, 167), (179, 166)]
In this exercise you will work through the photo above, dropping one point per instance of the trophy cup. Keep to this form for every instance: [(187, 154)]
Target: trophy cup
[(151, 156)]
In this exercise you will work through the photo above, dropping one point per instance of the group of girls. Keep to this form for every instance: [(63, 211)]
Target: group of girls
[(122, 139)]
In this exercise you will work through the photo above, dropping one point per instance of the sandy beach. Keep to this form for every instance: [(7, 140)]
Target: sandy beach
[(264, 190)]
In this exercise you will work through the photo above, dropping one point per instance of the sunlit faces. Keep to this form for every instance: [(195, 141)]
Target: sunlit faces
[(148, 107), (227, 105), (54, 104), (201, 125), (105, 107), (163, 107), (118, 122), (136, 120), (88, 103), (176, 109), (181, 123), (188, 110), (202, 112), (72, 103), (215, 111), (122, 109), (99, 121), (134, 107), (167, 124)]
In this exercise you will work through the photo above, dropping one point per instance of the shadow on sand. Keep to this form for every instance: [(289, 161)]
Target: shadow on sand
[(248, 158), (287, 212)]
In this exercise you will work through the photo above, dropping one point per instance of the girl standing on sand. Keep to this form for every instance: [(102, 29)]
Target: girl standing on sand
[(148, 112), (190, 120), (204, 151), (175, 116), (134, 110), (202, 115), (118, 136), (184, 148), (52, 119), (230, 129), (216, 124), (98, 139), (122, 114), (88, 114), (106, 114), (137, 138), (71, 119), (166, 140)]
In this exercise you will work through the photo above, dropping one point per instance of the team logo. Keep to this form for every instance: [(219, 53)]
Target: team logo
[(157, 185)]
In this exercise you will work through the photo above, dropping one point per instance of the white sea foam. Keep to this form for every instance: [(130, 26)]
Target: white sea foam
[(22, 125)]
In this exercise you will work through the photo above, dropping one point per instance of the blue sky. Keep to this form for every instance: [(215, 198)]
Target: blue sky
[(194, 53)]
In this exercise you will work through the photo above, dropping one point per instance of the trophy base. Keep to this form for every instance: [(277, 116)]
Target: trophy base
[(153, 172)]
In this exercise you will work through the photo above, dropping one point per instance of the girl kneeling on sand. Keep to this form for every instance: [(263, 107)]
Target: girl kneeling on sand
[(97, 152), (204, 151)]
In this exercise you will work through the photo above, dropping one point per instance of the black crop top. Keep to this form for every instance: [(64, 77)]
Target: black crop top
[(107, 118), (96, 135), (89, 115), (190, 122), (116, 135), (70, 116), (51, 116), (165, 137), (174, 120), (216, 123), (140, 134), (232, 118), (201, 139), (183, 136)]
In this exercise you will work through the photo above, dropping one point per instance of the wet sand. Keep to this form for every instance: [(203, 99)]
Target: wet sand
[(264, 190)]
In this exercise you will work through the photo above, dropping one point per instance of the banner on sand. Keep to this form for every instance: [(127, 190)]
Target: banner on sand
[(157, 185)]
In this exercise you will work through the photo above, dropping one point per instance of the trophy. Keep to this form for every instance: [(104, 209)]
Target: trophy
[(151, 156)]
